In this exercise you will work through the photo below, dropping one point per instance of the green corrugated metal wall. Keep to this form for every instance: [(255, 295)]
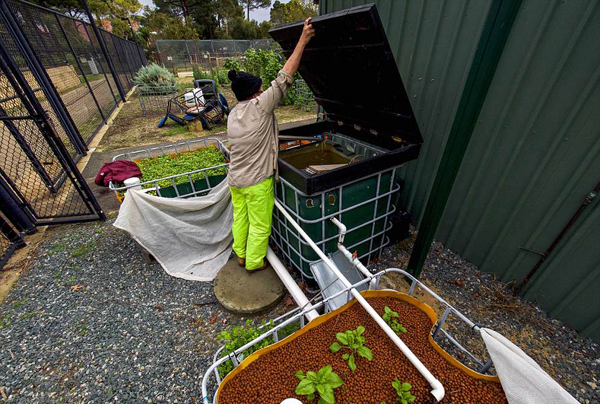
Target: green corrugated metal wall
[(535, 151)]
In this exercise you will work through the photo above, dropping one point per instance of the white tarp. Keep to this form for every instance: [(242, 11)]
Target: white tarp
[(191, 238), (523, 380)]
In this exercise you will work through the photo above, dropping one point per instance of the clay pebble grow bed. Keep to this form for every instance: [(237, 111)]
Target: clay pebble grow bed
[(271, 378)]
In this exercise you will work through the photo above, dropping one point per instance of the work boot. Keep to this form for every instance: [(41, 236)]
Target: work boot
[(265, 266), (241, 261)]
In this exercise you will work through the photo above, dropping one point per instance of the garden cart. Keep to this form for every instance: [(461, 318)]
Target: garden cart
[(202, 102)]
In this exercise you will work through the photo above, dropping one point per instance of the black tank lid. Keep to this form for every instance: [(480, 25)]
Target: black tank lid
[(350, 68)]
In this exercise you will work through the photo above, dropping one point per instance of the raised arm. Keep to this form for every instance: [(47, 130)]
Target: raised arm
[(272, 96), (291, 66)]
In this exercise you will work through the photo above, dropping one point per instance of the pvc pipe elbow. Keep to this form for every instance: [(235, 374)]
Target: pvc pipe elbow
[(438, 390)]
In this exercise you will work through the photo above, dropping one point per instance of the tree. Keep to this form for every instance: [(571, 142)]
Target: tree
[(177, 8), (157, 25), (101, 9), (295, 10), (255, 4)]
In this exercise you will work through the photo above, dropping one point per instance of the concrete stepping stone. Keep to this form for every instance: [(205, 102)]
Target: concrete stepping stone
[(239, 291)]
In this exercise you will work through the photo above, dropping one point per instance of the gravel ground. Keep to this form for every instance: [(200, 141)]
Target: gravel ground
[(570, 359), (90, 322)]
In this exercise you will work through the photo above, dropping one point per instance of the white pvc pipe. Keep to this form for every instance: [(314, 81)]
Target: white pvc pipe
[(291, 285), (291, 401), (438, 390)]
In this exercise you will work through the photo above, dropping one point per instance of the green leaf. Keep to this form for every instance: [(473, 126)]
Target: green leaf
[(327, 394), (342, 337), (312, 376), (300, 375), (305, 387), (411, 398), (406, 386), (335, 347), (403, 401), (360, 329), (334, 380), (396, 384), (324, 372), (345, 356), (351, 363), (321, 389), (387, 310), (311, 397), (365, 352)]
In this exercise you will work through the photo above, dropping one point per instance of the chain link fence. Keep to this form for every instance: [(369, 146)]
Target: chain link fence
[(69, 51), (184, 54)]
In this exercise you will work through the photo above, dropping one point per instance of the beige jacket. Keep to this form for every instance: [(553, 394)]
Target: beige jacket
[(252, 131)]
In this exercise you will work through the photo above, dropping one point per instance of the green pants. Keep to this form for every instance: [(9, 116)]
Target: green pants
[(252, 218)]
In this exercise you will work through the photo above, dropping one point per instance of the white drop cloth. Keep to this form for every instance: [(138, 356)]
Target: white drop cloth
[(191, 238), (523, 380)]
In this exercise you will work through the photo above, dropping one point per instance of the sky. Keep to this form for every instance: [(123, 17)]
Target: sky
[(260, 15)]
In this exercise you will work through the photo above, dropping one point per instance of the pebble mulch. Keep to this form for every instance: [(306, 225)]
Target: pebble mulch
[(570, 359), (90, 322)]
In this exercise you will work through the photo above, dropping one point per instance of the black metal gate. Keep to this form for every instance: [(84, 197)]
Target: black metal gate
[(40, 183), (34, 161)]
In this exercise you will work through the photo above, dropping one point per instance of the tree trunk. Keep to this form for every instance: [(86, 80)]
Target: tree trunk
[(186, 13), (248, 2)]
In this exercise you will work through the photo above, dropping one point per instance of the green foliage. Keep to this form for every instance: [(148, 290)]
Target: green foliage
[(403, 391), (352, 340), (154, 76), (322, 383), (295, 10), (157, 25), (219, 76), (232, 64), (237, 337), (266, 64), (388, 317), (172, 164)]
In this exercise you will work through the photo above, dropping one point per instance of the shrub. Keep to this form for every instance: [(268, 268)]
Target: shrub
[(232, 64), (153, 76), (266, 64), (237, 337)]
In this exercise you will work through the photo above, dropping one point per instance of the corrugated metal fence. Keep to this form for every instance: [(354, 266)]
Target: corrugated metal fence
[(535, 152)]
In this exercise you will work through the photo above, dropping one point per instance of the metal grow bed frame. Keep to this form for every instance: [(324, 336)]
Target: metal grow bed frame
[(152, 152), (298, 316)]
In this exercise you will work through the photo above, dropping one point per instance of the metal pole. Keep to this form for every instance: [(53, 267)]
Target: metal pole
[(15, 211), (100, 39), (499, 22)]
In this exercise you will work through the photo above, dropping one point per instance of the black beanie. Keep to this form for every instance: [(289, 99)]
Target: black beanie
[(244, 85)]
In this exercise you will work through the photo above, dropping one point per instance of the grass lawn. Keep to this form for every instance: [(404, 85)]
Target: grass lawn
[(131, 128)]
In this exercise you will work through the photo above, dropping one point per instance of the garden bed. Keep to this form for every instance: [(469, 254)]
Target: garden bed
[(269, 375), (174, 164), (184, 169)]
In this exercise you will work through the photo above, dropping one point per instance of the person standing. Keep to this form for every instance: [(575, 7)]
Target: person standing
[(253, 138)]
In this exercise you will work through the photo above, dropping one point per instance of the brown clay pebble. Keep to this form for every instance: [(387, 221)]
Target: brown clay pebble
[(270, 379)]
